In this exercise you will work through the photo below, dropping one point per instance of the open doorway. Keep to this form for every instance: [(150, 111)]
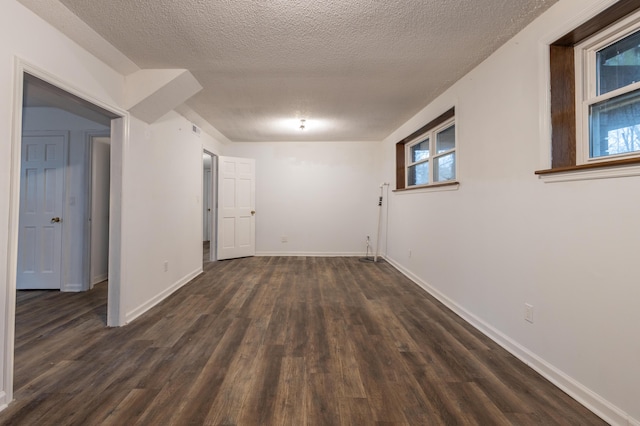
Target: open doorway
[(97, 229), (209, 206), (64, 191), (64, 173)]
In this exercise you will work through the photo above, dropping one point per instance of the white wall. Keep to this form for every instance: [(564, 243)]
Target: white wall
[(161, 173), (23, 34), (37, 118), (99, 209), (322, 196), (506, 238), (166, 184)]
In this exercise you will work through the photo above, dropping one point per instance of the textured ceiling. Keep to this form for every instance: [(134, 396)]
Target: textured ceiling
[(355, 70)]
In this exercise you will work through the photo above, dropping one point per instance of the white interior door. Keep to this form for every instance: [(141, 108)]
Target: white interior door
[(41, 207), (100, 191), (236, 208), (206, 205)]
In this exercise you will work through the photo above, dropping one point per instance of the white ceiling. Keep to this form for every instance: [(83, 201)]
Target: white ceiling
[(355, 70)]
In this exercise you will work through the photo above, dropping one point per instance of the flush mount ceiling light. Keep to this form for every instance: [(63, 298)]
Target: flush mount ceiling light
[(302, 123), (291, 126)]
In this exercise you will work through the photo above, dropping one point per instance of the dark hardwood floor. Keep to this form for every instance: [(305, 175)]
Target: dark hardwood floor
[(273, 341)]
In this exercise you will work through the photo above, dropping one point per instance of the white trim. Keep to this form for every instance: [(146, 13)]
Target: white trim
[(117, 239), (434, 187), (585, 396), (544, 102), (98, 279), (89, 135), (213, 201), (592, 174), (65, 245), (131, 315), (3, 400), (74, 288), (310, 254), (14, 215), (574, 20)]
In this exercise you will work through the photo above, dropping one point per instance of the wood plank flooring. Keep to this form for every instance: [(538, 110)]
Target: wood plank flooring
[(273, 341)]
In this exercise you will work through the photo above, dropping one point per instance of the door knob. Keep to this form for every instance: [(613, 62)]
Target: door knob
[(253, 212), (55, 220)]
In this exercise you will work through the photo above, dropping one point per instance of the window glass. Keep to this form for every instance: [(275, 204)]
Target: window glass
[(618, 65), (418, 174), (446, 139), (420, 151), (614, 125), (428, 155), (444, 168)]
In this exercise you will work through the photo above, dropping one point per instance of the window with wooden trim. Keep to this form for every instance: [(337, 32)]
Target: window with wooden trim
[(427, 157), (580, 119), (608, 95)]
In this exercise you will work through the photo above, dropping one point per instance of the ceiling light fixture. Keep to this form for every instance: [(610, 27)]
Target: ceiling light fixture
[(302, 122)]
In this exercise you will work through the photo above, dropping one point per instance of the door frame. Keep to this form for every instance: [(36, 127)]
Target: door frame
[(213, 199), (88, 207), (117, 239)]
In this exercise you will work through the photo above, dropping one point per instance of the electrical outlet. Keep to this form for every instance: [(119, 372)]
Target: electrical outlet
[(284, 239), (166, 266), (528, 313)]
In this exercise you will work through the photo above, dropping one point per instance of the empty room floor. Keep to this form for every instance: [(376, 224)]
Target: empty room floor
[(273, 341)]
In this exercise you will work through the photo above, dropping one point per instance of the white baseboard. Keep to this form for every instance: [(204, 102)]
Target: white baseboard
[(130, 316), (98, 279), (308, 254), (585, 396), (73, 288), (3, 400)]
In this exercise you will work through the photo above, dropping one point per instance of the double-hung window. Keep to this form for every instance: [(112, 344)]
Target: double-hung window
[(608, 94), (427, 157), (432, 157), (595, 96)]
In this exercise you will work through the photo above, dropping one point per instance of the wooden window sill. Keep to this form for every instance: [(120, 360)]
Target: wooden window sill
[(602, 170)]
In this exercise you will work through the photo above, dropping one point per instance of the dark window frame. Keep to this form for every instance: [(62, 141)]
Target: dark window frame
[(563, 101), (401, 156)]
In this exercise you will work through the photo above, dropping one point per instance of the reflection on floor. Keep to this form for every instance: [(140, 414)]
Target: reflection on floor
[(205, 250)]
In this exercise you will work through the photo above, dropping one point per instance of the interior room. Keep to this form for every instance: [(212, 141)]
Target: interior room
[(402, 158)]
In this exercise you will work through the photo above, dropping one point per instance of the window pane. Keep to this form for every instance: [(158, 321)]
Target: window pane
[(420, 151), (446, 139), (444, 168), (618, 65), (418, 174), (614, 125)]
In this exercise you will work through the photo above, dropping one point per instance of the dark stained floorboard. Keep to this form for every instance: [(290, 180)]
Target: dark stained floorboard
[(273, 341)]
